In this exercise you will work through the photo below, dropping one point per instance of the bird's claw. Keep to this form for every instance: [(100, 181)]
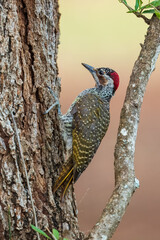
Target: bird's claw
[(55, 104)]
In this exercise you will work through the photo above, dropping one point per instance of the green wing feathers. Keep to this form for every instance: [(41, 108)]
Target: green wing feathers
[(90, 123)]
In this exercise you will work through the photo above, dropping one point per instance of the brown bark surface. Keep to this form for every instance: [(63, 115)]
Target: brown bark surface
[(29, 37)]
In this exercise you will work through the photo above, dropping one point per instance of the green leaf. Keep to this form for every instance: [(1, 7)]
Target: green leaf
[(157, 14), (55, 233), (123, 1), (65, 239), (155, 3), (149, 11), (138, 4), (151, 4), (131, 11), (40, 231)]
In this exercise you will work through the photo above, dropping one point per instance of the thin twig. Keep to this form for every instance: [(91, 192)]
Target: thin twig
[(26, 174), (9, 223)]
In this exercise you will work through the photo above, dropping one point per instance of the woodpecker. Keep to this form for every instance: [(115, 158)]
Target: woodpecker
[(86, 123)]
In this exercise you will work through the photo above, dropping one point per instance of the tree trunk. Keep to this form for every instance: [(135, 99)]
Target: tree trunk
[(29, 37), (31, 144)]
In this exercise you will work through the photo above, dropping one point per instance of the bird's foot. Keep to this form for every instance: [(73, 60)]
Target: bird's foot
[(55, 104)]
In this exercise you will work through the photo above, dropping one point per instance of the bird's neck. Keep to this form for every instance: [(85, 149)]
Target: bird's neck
[(105, 92)]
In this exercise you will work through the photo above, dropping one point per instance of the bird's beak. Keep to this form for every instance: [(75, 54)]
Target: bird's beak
[(92, 70)]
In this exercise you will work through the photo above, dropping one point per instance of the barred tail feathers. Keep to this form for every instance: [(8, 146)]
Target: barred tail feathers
[(67, 183), (65, 177)]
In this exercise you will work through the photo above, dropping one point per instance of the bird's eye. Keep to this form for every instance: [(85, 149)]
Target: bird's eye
[(100, 72)]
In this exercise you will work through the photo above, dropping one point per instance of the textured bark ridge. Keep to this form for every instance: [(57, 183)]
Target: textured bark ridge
[(29, 37)]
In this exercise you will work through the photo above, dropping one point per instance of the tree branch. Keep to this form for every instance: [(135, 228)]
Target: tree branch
[(125, 182)]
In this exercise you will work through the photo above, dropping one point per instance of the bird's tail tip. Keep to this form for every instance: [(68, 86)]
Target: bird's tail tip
[(65, 179)]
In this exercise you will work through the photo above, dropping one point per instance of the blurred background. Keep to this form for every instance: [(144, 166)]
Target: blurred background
[(101, 33)]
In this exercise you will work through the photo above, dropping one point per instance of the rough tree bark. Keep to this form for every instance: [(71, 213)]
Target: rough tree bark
[(29, 36)]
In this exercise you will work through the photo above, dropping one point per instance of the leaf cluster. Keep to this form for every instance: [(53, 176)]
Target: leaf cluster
[(54, 235), (151, 7)]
